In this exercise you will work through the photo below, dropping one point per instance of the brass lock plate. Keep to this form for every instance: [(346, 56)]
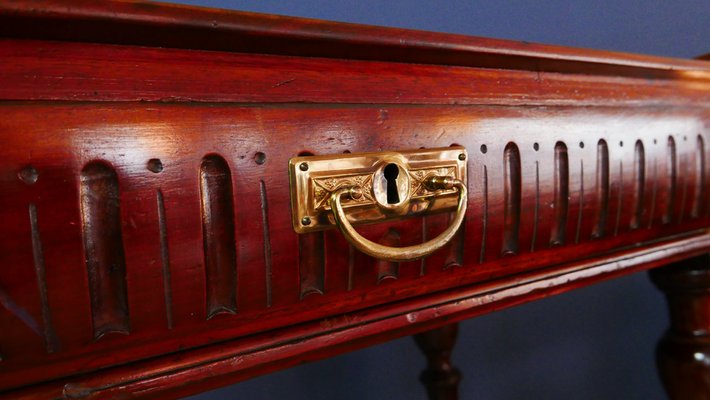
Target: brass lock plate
[(393, 185)]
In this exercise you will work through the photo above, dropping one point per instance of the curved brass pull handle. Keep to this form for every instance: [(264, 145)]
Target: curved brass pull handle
[(398, 254)]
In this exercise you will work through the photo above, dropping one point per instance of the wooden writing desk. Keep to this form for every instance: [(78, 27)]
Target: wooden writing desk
[(148, 243)]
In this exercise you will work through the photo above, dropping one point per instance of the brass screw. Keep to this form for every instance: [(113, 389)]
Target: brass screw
[(355, 192), (462, 156), (29, 175), (305, 220), (303, 166)]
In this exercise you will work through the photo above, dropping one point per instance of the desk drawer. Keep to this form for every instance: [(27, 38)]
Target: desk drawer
[(109, 210)]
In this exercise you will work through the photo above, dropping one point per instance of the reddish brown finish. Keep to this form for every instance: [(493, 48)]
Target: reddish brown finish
[(217, 209), (144, 190), (684, 350), (441, 378), (103, 249), (161, 25)]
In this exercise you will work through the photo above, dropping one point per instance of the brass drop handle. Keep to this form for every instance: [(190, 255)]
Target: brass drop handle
[(399, 254)]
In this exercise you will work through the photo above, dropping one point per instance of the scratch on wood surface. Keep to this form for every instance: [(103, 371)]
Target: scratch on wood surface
[(282, 83)]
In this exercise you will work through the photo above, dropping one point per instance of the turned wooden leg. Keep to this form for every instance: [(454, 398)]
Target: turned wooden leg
[(441, 378), (683, 353)]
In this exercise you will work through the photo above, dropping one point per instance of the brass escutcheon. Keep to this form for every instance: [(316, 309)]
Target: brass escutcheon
[(346, 190)]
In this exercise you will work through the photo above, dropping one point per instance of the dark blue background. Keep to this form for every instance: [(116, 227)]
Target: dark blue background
[(595, 343)]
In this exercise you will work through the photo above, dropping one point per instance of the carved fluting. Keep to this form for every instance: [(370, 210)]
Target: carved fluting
[(165, 256), (311, 263), (536, 208), (103, 248), (387, 270), (512, 199), (580, 208), (561, 199), (266, 232), (700, 176), (454, 257), (440, 377), (654, 194), (51, 341), (672, 177), (602, 190), (218, 236), (351, 266), (639, 184), (484, 217), (683, 353), (619, 198)]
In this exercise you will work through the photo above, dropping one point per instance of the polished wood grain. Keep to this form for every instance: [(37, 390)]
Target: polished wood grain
[(683, 352), (144, 23), (147, 245), (441, 378)]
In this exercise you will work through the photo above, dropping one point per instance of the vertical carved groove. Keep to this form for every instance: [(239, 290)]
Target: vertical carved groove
[(639, 184), (455, 252), (267, 241), (218, 236), (19, 312), (485, 215), (351, 266), (388, 269), (422, 266), (652, 212), (50, 338), (602, 189), (699, 177), (684, 192), (165, 258), (511, 195), (619, 199), (311, 263), (561, 200), (103, 248), (581, 201), (537, 206), (672, 179)]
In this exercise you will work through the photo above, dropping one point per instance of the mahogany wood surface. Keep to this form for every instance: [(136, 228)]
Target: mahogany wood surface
[(146, 244), (683, 352), (441, 378)]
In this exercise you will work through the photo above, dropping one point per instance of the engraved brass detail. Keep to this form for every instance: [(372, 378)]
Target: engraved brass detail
[(312, 188)]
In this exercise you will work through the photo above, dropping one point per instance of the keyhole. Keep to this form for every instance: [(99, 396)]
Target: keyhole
[(391, 173)]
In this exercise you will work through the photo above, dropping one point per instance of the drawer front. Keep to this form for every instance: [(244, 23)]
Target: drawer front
[(132, 230)]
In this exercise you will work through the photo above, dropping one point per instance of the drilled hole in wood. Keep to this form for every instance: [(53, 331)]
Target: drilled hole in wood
[(155, 165), (259, 158), (28, 175), (581, 145), (484, 149), (536, 146)]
